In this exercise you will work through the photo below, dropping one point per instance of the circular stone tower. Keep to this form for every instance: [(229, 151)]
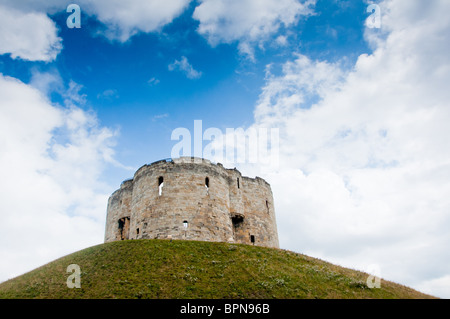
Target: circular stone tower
[(191, 198)]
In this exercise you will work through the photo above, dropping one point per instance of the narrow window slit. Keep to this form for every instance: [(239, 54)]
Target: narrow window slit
[(185, 225), (160, 185)]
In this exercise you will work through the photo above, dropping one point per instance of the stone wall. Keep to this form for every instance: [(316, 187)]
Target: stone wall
[(191, 198)]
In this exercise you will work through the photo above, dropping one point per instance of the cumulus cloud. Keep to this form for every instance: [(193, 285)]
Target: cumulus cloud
[(52, 201), (247, 21), (364, 172), (29, 36), (125, 18), (122, 19), (184, 66)]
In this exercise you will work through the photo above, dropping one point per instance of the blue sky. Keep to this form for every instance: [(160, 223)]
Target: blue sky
[(364, 145), (129, 85)]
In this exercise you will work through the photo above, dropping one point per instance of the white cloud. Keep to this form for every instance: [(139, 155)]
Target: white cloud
[(51, 199), (160, 116), (247, 21), (437, 286), (153, 81), (108, 94), (122, 19), (46, 82), (126, 18), (364, 172), (281, 40), (29, 36), (184, 66)]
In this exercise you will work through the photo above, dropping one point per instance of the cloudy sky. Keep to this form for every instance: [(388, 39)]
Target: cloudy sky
[(360, 99)]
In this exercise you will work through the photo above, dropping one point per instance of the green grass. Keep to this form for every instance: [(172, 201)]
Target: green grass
[(193, 269)]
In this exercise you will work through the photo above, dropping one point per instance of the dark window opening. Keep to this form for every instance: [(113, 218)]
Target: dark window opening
[(237, 220), (207, 182), (252, 239), (238, 182), (124, 228), (160, 185), (137, 231), (267, 205)]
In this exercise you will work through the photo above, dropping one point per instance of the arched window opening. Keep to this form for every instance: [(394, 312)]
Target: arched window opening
[(160, 185)]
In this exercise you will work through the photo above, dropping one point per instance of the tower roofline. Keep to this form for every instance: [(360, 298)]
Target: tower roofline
[(194, 160)]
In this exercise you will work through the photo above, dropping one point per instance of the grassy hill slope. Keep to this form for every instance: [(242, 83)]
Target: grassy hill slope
[(192, 269)]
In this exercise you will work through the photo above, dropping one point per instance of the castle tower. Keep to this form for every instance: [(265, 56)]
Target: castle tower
[(191, 198)]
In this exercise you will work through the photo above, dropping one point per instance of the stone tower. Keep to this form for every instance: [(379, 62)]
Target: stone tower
[(191, 198)]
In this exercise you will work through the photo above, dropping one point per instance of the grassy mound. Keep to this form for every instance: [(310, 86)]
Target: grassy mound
[(192, 269)]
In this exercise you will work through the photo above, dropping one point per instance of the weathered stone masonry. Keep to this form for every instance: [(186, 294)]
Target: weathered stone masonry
[(191, 198)]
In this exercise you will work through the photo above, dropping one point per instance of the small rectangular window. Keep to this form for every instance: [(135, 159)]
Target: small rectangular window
[(238, 183), (252, 239)]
